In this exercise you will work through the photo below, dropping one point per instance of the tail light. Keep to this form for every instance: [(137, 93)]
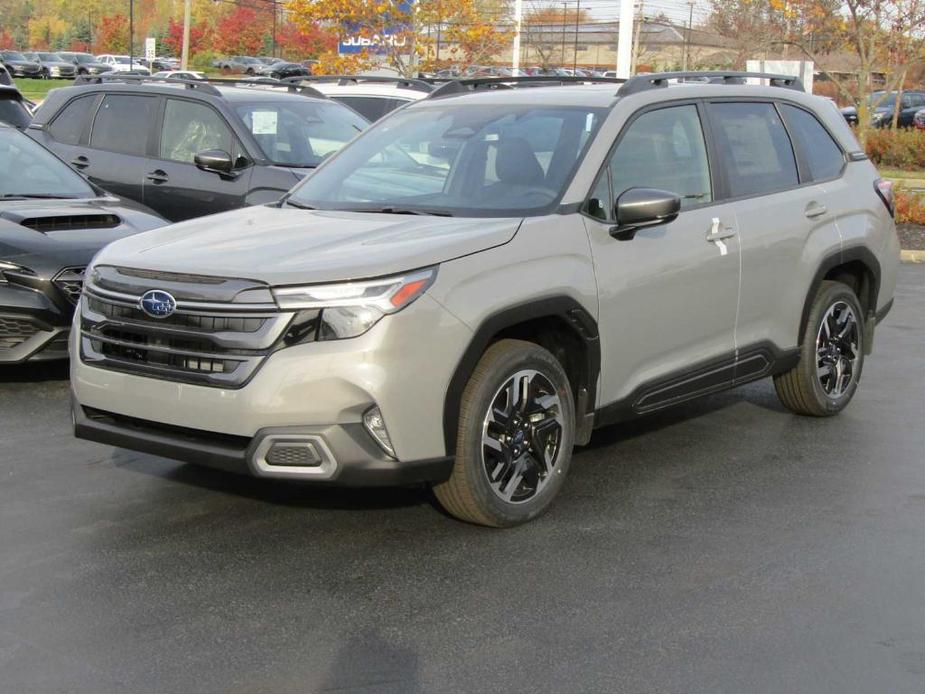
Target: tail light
[(884, 190)]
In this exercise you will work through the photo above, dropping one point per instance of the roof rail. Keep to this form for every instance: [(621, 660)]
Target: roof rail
[(656, 80), (471, 84), (264, 82), (345, 80), (201, 85)]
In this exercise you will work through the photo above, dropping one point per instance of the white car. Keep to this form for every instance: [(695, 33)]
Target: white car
[(181, 75), (370, 96), (121, 63)]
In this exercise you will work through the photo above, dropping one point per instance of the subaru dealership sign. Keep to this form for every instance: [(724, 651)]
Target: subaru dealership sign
[(392, 36)]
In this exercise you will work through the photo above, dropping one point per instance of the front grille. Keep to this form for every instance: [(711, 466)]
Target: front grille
[(72, 222), (13, 332), (71, 281), (218, 344)]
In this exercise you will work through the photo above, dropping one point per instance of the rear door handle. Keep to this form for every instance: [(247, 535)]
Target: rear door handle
[(814, 209), (80, 162), (157, 176)]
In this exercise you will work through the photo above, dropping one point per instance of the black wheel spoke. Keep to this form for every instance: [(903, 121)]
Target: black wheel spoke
[(837, 349)]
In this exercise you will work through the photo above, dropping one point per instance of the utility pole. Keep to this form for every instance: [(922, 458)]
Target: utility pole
[(184, 55), (518, 18), (687, 44), (642, 19), (625, 39), (575, 56), (131, 33), (275, 12), (564, 23)]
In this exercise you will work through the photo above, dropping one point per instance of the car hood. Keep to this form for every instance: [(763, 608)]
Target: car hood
[(46, 245), (282, 246)]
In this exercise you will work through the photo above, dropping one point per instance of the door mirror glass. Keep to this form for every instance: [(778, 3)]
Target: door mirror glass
[(214, 160), (638, 208)]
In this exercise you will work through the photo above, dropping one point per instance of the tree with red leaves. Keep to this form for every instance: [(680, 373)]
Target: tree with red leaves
[(296, 44), (112, 34), (6, 39), (242, 32), (174, 38)]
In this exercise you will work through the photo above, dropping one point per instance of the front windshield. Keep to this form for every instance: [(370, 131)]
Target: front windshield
[(12, 55), (29, 170), (50, 57), (300, 132), (84, 58), (122, 59), (465, 160)]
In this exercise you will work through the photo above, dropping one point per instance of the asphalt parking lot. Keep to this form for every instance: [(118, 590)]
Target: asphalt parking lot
[(724, 546)]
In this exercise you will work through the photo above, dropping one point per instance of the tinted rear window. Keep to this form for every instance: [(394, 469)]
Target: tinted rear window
[(69, 124), (122, 123), (372, 108), (823, 157), (754, 148)]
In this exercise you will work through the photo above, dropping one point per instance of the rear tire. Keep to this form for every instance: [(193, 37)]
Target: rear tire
[(516, 432), (831, 355)]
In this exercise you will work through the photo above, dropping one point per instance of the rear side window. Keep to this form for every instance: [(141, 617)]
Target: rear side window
[(823, 157), (69, 125), (122, 123), (754, 148)]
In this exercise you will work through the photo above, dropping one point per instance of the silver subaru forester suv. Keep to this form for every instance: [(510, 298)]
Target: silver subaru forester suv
[(468, 289)]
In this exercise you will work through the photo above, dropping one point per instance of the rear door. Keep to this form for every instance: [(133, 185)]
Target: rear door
[(119, 137), (667, 297), (173, 185)]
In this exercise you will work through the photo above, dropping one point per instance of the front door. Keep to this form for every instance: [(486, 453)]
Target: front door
[(668, 296), (173, 185)]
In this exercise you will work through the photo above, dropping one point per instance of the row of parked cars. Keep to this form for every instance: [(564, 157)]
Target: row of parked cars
[(68, 64), (460, 292)]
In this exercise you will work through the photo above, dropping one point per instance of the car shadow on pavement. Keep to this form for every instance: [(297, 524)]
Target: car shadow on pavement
[(370, 662), (34, 372), (279, 492)]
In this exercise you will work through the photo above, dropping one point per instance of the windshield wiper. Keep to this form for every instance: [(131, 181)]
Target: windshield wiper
[(293, 203), (403, 210), (37, 196)]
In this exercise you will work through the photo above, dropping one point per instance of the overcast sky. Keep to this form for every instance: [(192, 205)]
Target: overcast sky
[(677, 10)]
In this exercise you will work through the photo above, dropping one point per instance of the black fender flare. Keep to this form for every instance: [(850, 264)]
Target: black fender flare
[(575, 316)]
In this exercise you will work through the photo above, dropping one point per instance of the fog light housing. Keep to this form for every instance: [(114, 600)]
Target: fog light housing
[(375, 425)]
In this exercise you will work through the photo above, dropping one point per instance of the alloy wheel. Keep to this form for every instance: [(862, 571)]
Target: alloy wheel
[(837, 349), (522, 436)]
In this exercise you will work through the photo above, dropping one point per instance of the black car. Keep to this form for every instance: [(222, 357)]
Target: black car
[(187, 149), (283, 70), (13, 110), (53, 65), (883, 104), (52, 222), (5, 79), (19, 65), (86, 64)]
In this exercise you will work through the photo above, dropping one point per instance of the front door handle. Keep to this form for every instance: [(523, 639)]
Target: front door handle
[(157, 176), (814, 209), (80, 162), (718, 231)]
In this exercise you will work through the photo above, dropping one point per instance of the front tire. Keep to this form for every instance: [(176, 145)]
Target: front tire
[(831, 355), (516, 432)]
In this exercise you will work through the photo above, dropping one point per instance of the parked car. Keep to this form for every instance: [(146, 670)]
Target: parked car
[(13, 110), (52, 222), (483, 277), (123, 63), (53, 65), (215, 148), (181, 75), (19, 65), (283, 70), (371, 97), (242, 64), (162, 63), (883, 105), (86, 64), (5, 78)]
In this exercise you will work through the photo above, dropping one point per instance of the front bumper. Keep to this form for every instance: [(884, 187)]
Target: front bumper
[(32, 326), (343, 454)]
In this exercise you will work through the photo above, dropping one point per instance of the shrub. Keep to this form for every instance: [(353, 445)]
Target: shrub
[(910, 209), (901, 148)]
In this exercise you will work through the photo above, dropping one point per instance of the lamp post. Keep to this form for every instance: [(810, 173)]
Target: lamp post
[(131, 33)]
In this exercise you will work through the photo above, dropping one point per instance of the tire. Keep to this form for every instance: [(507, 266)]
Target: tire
[(538, 446), (804, 389)]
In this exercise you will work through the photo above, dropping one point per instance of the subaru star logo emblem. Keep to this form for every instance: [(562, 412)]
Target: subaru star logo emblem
[(157, 303)]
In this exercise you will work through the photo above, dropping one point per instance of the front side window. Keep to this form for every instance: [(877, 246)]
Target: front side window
[(754, 148), (664, 149), (12, 55), (300, 132), (190, 128), (29, 170), (69, 125), (465, 160), (122, 123), (823, 157)]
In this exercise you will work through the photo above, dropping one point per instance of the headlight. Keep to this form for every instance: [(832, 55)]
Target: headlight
[(878, 117), (349, 309)]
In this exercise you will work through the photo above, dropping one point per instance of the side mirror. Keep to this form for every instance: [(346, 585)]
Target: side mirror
[(638, 208), (215, 161)]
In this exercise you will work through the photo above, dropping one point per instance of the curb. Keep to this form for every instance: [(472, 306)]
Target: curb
[(912, 256)]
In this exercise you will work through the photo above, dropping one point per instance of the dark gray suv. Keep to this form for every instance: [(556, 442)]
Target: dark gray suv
[(187, 149)]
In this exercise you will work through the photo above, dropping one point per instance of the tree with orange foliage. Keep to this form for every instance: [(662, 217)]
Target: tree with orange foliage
[(112, 34), (241, 31), (6, 39), (301, 43), (470, 30)]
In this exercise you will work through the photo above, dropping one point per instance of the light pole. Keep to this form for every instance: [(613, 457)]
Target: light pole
[(131, 33), (184, 55), (687, 44), (518, 18), (575, 56)]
